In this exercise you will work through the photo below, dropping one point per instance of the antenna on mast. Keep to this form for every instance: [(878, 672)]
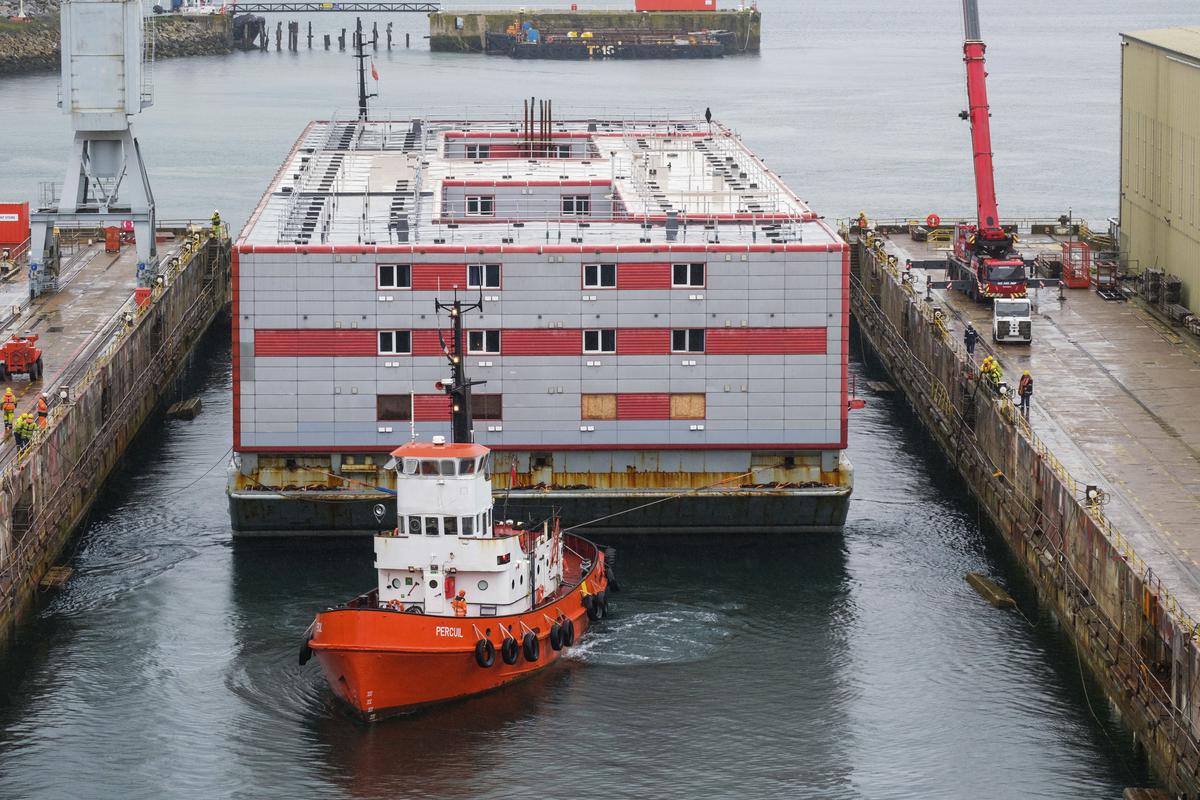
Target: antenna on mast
[(458, 388)]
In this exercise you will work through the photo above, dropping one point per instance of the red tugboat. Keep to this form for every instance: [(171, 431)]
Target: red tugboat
[(465, 603)]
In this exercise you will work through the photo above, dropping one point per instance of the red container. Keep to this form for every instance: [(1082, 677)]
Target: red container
[(14, 224), (141, 295), (675, 5), (112, 239)]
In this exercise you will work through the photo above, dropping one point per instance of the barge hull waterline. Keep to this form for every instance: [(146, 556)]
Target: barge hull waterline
[(820, 510)]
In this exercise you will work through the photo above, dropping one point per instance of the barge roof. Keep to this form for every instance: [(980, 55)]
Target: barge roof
[(388, 183)]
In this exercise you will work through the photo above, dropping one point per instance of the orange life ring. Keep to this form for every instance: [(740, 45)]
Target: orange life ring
[(539, 595), (932, 221)]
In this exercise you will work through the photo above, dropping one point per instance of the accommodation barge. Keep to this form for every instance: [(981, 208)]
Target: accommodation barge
[(529, 43), (663, 336)]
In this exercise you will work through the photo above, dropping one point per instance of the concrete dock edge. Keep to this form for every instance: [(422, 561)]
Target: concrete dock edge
[(46, 491), (1135, 638)]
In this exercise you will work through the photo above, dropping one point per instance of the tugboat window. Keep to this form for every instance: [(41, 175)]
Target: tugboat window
[(414, 526), (466, 466), (431, 526), (433, 584), (429, 467), (451, 526), (482, 586), (395, 583), (410, 466), (468, 526), (448, 466)]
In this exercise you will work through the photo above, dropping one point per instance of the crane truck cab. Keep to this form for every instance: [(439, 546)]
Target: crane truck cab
[(1012, 320)]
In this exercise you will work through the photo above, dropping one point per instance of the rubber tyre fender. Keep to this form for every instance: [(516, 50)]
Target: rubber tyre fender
[(556, 636), (485, 653), (509, 651), (531, 648), (568, 632), (306, 652), (589, 603), (602, 604)]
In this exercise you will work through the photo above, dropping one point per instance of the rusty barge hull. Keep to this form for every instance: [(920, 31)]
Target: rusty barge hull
[(319, 502)]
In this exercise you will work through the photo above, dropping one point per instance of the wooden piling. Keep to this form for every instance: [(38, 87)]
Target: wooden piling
[(310, 35), (327, 41), (389, 36), (278, 36), (406, 36), (374, 35), (342, 40)]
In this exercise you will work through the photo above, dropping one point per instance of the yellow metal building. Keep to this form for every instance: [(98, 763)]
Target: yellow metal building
[(1160, 125)]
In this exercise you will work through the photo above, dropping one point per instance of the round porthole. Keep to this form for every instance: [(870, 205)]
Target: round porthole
[(395, 583), (482, 586), (414, 525), (433, 584)]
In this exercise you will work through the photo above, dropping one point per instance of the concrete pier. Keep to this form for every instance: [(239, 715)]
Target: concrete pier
[(1113, 411), (109, 358)]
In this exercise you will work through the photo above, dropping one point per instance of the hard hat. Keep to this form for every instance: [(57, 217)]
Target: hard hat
[(462, 593), (970, 325), (1026, 372)]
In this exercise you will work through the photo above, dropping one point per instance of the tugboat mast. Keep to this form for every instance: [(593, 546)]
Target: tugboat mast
[(458, 388), (359, 48)]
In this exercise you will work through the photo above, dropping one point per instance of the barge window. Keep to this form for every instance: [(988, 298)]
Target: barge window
[(481, 205), (479, 151), (487, 406), (687, 340), (576, 205), (600, 341), (451, 525), (468, 526), (394, 276), (598, 406), (395, 343), (431, 526), (600, 276), (483, 276), (396, 407), (483, 341), (688, 406), (687, 275), (466, 466)]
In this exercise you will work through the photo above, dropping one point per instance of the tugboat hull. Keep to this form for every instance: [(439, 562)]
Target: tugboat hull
[(382, 662)]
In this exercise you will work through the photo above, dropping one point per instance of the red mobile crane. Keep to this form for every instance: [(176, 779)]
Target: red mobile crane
[(984, 263)]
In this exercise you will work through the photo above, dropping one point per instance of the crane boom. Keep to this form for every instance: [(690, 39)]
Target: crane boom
[(981, 132)]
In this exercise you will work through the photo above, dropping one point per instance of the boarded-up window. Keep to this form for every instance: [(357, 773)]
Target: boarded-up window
[(599, 406), (393, 407), (487, 406), (687, 406)]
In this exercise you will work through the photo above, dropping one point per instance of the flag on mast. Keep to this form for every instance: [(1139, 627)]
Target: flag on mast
[(374, 73)]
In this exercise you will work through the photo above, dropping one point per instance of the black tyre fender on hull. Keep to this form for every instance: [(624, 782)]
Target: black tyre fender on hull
[(509, 651), (531, 647), (593, 609), (485, 653), (556, 636), (568, 632)]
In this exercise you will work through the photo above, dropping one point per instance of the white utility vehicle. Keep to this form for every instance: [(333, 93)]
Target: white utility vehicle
[(1011, 320)]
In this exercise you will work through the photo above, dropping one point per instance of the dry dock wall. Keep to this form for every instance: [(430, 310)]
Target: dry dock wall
[(465, 31), (1138, 642), (47, 491)]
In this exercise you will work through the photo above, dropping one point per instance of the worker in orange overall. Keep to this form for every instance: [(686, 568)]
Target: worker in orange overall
[(43, 411), (1025, 391), (459, 604), (10, 407)]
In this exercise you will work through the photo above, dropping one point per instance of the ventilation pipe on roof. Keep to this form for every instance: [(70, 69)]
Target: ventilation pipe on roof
[(672, 225)]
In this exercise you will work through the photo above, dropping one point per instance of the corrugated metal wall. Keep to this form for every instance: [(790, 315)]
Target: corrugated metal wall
[(1160, 123)]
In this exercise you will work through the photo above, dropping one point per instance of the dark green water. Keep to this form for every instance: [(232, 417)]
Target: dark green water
[(853, 666)]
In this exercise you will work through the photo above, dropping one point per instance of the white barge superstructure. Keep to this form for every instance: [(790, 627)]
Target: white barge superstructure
[(663, 318)]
